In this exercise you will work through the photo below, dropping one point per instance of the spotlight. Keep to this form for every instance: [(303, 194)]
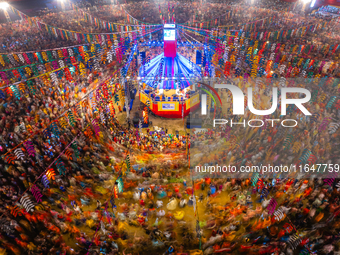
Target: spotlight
[(4, 5)]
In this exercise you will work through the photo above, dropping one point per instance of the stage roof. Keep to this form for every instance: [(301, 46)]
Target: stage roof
[(169, 73)]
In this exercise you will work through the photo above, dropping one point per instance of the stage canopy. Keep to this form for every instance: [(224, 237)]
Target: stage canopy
[(169, 73)]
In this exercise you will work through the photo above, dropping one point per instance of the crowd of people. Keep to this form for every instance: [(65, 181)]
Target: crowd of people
[(330, 9), (133, 190), (21, 36)]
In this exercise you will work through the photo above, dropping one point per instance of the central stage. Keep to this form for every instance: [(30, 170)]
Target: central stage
[(167, 79), (164, 107), (169, 73), (166, 84)]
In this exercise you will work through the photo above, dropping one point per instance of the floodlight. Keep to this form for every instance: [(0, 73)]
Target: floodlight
[(4, 5)]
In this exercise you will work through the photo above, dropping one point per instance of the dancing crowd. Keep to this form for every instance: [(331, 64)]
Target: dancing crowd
[(131, 190)]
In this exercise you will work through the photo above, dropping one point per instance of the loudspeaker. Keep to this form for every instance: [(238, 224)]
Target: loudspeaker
[(194, 123), (133, 94), (198, 57), (135, 122), (142, 55)]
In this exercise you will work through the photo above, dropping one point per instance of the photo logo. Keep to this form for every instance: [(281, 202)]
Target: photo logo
[(238, 100)]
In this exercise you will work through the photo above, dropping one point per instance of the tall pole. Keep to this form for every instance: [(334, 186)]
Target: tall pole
[(62, 4), (4, 6), (127, 99), (7, 16), (125, 87)]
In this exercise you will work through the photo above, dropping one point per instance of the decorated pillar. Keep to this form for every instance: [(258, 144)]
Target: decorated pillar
[(170, 42)]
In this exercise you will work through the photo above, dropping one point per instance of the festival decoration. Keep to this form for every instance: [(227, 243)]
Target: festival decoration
[(140, 127), (36, 193), (62, 122), (50, 174), (127, 160), (27, 203), (331, 102), (68, 154), (305, 155), (6, 227), (15, 211), (29, 148), (260, 184), (75, 149), (288, 141), (71, 118), (19, 154), (265, 192), (296, 147), (102, 117), (271, 206), (312, 159), (331, 178), (294, 241), (88, 132), (120, 184), (333, 127), (279, 215), (55, 130), (314, 117), (45, 181), (96, 127), (145, 115), (60, 166), (255, 179), (115, 190), (324, 123), (338, 186)]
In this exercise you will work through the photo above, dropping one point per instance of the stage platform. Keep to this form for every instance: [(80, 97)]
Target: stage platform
[(168, 107), (166, 85)]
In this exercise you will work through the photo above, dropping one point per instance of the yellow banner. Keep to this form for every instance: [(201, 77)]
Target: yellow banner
[(192, 101), (144, 98), (168, 106)]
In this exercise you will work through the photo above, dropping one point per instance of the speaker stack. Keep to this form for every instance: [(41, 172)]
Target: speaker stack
[(194, 122)]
